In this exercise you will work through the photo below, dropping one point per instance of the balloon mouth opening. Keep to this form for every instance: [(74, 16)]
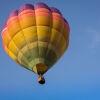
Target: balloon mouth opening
[(40, 68)]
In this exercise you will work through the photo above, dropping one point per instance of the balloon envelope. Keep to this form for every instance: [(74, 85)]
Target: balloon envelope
[(35, 36)]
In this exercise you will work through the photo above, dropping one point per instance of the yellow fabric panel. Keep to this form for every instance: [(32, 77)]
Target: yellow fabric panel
[(12, 46), (58, 37), (12, 55), (7, 39), (18, 38), (22, 36), (43, 21), (43, 31), (14, 29), (30, 32), (58, 25), (27, 22)]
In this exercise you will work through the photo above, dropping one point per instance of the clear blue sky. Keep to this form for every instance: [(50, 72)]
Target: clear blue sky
[(77, 74)]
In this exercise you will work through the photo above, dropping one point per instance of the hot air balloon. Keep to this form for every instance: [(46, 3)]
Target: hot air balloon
[(35, 37)]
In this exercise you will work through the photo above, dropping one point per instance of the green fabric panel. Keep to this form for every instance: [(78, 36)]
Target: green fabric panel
[(37, 61), (51, 56), (30, 54), (39, 55), (42, 51)]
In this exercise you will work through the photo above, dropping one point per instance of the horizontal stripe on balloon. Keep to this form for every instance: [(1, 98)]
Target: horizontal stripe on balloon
[(34, 11), (33, 14), (4, 32), (31, 7), (26, 12), (18, 24), (52, 45), (20, 37), (41, 10), (50, 56), (17, 19), (12, 30), (40, 32)]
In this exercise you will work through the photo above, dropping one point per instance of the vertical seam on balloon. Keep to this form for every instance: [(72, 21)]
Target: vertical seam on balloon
[(65, 39), (24, 38), (61, 39), (61, 33), (50, 36), (36, 32)]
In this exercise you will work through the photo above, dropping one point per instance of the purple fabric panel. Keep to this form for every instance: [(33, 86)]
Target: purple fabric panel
[(55, 10), (13, 13), (4, 25), (33, 7), (25, 7), (41, 5)]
